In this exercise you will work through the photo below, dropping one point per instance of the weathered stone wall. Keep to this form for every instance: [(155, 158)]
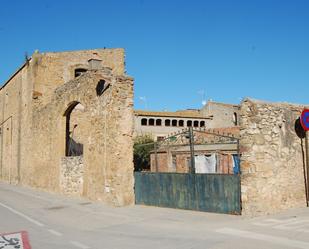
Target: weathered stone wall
[(272, 164), (31, 87), (33, 125), (51, 70), (108, 155), (71, 175), (15, 100)]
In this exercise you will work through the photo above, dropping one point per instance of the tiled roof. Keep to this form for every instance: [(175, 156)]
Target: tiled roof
[(177, 114)]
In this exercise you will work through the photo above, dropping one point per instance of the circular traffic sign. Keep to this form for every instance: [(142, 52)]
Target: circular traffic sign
[(304, 119)]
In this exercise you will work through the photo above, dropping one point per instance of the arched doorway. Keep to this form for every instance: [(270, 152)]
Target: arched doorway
[(74, 131)]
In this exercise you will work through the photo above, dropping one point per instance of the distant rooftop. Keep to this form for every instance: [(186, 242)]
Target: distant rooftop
[(191, 113), (220, 103)]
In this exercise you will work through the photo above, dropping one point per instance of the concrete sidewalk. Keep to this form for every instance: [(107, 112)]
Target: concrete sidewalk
[(55, 221)]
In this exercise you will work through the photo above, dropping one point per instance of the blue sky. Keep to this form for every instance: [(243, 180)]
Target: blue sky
[(179, 52)]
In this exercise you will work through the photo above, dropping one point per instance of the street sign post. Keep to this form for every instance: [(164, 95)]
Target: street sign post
[(304, 120)]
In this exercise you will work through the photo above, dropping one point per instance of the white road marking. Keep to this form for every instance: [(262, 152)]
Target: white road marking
[(268, 238), (288, 224), (79, 245), (293, 225), (54, 232), (272, 222), (23, 215)]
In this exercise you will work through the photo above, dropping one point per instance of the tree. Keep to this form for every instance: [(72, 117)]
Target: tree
[(142, 147)]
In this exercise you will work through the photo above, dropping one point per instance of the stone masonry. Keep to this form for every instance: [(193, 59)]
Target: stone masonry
[(272, 164), (72, 175), (35, 104)]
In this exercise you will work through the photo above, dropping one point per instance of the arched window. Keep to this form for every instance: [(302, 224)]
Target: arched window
[(158, 122), (180, 123), (167, 122), (151, 121), (235, 119), (195, 124), (202, 124), (79, 71), (174, 122), (144, 121), (100, 87), (189, 123)]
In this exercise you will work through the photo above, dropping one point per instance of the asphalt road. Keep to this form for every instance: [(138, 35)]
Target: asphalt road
[(53, 221)]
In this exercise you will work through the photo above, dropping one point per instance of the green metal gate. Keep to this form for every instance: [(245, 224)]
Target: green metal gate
[(219, 193)]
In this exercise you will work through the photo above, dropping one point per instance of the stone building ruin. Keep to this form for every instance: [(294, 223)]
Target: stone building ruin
[(67, 121), (272, 162), (64, 119)]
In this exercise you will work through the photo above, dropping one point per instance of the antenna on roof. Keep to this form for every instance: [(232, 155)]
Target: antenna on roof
[(203, 93), (26, 58), (144, 100)]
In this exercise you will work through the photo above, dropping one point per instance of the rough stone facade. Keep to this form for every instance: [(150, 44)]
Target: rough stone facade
[(72, 175), (34, 107), (272, 165)]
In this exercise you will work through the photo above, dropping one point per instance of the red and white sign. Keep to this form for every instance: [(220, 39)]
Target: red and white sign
[(304, 119), (16, 240)]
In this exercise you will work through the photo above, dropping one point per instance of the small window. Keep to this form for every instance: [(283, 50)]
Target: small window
[(167, 122), (160, 138), (202, 124), (100, 87), (235, 119), (195, 124), (158, 122), (151, 121), (79, 72), (189, 123), (174, 122), (180, 123), (144, 121)]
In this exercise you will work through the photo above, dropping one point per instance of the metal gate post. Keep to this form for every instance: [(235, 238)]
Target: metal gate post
[(191, 139), (307, 164), (156, 156)]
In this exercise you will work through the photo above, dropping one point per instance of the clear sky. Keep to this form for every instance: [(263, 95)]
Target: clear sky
[(179, 52)]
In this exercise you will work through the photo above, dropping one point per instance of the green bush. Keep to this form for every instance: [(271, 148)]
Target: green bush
[(143, 145)]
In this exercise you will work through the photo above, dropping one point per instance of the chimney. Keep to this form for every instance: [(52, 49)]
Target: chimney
[(95, 64)]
